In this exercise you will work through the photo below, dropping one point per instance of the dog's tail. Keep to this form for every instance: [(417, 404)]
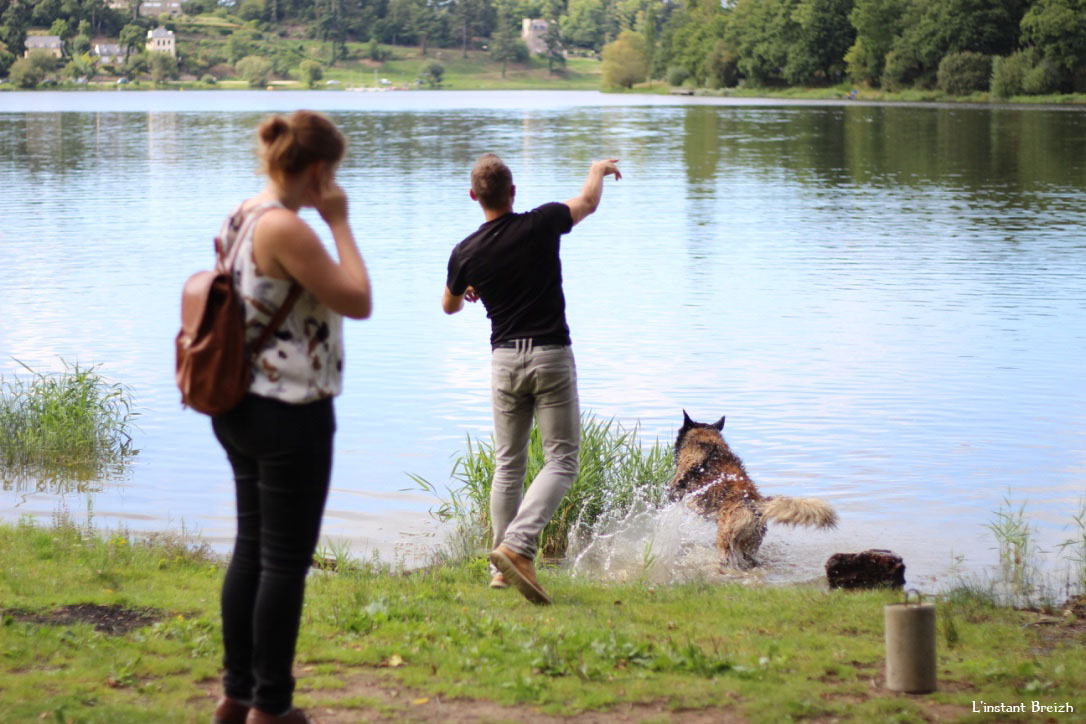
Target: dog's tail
[(809, 512)]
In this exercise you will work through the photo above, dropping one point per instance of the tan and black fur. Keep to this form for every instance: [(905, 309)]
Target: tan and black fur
[(713, 480)]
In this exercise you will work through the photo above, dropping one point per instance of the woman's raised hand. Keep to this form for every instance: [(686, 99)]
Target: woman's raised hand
[(330, 201)]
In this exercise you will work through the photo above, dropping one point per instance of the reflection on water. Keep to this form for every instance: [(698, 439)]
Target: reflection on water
[(886, 302)]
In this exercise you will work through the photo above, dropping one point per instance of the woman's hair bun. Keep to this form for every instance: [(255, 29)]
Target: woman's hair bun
[(290, 145), (273, 128)]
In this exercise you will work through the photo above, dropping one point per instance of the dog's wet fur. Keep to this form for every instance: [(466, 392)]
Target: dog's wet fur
[(714, 482)]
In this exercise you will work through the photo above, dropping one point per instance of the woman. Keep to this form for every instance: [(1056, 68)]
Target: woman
[(279, 439)]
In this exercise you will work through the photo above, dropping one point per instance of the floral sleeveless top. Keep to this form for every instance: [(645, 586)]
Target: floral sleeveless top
[(302, 361)]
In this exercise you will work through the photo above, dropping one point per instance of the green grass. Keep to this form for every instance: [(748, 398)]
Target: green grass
[(615, 470), (842, 91), (476, 72), (71, 423), (757, 653)]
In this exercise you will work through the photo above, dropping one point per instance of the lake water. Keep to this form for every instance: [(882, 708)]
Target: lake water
[(888, 303)]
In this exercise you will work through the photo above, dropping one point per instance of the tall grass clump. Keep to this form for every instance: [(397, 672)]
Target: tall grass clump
[(74, 420), (1017, 549), (615, 470), (1074, 549)]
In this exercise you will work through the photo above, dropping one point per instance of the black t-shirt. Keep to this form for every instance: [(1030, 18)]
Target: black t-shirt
[(512, 262)]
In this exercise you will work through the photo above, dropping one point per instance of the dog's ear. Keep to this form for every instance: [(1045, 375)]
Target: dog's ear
[(687, 422), (719, 424)]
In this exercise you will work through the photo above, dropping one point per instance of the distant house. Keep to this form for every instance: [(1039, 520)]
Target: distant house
[(52, 43), (154, 8), (118, 4), (533, 32), (108, 53), (161, 40)]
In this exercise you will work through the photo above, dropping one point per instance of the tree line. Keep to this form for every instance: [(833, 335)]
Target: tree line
[(1010, 47)]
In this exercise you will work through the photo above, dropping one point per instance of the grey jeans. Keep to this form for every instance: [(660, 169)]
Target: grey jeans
[(529, 380)]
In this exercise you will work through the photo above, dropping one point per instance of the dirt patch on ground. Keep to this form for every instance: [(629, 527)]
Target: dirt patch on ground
[(112, 620), (370, 697)]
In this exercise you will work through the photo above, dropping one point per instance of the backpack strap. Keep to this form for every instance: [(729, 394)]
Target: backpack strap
[(225, 260), (226, 265), (271, 326)]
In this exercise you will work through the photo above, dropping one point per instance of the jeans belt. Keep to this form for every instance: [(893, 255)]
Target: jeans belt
[(516, 343)]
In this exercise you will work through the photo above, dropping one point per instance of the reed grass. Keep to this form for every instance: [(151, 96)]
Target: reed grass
[(1017, 550), (615, 470), (1074, 548), (74, 420)]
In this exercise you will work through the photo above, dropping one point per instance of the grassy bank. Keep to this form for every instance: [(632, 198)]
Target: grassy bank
[(872, 95), (114, 629)]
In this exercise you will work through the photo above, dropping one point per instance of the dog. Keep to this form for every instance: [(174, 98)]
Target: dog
[(713, 480)]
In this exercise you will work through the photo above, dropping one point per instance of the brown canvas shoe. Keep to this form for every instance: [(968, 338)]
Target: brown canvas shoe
[(498, 581), (230, 711), (520, 572)]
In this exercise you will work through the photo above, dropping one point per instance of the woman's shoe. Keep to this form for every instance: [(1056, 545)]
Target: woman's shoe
[(294, 716), (230, 711)]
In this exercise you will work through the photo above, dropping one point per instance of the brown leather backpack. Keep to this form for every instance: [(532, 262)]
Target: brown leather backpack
[(213, 364)]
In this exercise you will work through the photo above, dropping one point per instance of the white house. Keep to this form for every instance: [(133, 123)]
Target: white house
[(51, 43), (108, 53), (532, 32), (161, 40)]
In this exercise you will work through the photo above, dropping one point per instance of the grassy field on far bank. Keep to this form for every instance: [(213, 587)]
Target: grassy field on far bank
[(438, 645)]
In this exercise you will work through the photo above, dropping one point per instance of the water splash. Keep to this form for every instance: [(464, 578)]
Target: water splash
[(649, 542)]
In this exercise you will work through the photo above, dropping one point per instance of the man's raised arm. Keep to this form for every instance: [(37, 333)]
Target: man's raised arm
[(589, 199)]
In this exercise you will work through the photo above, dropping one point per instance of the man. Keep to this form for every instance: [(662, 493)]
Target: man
[(511, 262)]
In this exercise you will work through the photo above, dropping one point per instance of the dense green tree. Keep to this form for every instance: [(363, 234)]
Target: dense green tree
[(1057, 29), (583, 24), (255, 69), (14, 21), (690, 38), (163, 67), (817, 55), (470, 18), (61, 28), (137, 64), (80, 66), (1008, 74), (877, 23), (23, 74), (624, 60), (432, 74), (133, 37), (43, 60), (935, 28), (310, 72), (762, 32), (252, 10), (6, 58), (505, 43), (80, 44), (240, 43), (331, 26), (554, 43), (964, 72)]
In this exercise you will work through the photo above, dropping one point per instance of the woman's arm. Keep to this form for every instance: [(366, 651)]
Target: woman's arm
[(285, 246)]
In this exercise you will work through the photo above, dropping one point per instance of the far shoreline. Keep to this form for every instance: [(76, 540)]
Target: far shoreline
[(636, 96)]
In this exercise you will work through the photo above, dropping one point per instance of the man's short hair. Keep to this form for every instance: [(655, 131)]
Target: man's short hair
[(492, 182)]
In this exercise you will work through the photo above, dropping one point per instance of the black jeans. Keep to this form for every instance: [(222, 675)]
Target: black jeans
[(282, 460)]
